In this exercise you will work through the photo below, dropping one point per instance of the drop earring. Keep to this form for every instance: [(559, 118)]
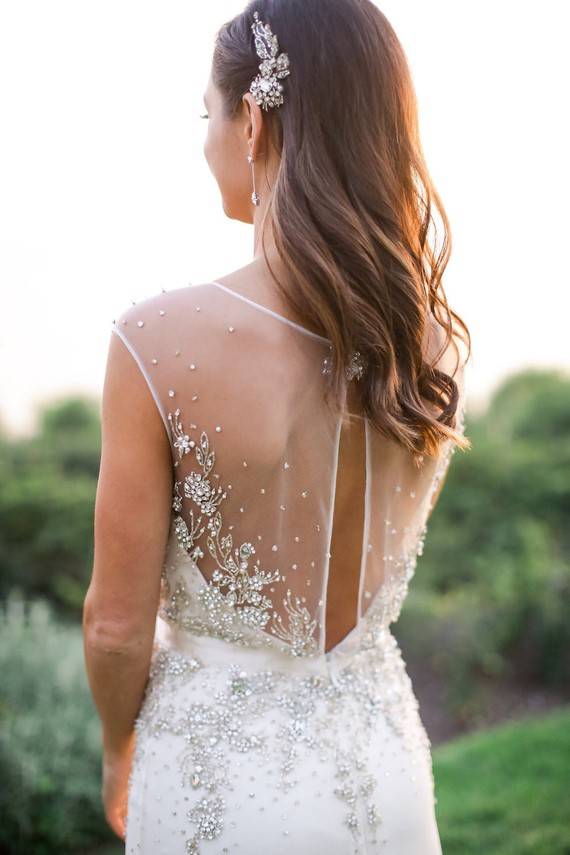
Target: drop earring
[(254, 197)]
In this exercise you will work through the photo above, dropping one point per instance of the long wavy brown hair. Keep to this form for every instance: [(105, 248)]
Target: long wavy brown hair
[(353, 207)]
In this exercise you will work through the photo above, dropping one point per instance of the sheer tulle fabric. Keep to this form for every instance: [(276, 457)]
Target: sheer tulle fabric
[(256, 733)]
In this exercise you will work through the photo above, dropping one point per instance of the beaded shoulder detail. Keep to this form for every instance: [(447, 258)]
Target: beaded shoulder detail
[(235, 600)]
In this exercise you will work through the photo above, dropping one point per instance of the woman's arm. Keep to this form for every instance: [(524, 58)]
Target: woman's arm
[(132, 517)]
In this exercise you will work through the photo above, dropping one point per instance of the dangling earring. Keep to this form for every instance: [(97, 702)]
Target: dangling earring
[(254, 197)]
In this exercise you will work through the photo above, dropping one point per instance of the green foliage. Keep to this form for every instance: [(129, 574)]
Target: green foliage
[(491, 593), (47, 496), (505, 790), (70, 433), (49, 737), (532, 406)]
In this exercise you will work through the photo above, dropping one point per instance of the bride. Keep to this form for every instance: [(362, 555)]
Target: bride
[(273, 443)]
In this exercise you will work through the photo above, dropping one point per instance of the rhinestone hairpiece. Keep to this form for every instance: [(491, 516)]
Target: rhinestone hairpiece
[(265, 87)]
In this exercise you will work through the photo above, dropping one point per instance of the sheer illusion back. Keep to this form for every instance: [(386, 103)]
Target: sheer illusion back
[(299, 528)]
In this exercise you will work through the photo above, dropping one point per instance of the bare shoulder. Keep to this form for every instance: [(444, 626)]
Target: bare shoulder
[(163, 304)]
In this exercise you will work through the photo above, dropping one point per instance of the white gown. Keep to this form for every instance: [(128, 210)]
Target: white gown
[(253, 737)]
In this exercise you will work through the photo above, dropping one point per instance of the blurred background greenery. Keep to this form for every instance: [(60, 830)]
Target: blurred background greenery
[(485, 631)]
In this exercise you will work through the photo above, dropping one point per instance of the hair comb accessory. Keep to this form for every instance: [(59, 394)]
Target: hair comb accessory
[(265, 87)]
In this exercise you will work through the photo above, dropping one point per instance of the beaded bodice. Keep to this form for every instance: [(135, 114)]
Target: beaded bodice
[(258, 461)]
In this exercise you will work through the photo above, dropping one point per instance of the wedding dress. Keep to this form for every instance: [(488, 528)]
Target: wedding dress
[(255, 734)]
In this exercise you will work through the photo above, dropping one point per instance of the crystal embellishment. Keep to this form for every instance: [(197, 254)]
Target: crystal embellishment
[(265, 87), (234, 601), (277, 718), (354, 369)]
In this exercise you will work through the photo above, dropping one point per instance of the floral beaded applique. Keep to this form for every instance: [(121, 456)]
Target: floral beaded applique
[(236, 588)]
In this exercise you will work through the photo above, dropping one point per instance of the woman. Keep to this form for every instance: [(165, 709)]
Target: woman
[(273, 444)]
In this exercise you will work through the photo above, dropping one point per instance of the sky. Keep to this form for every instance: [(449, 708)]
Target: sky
[(106, 198)]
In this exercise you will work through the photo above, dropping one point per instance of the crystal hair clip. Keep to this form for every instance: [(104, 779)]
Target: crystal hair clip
[(265, 87)]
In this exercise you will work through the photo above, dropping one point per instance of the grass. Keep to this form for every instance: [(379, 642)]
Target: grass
[(506, 790)]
